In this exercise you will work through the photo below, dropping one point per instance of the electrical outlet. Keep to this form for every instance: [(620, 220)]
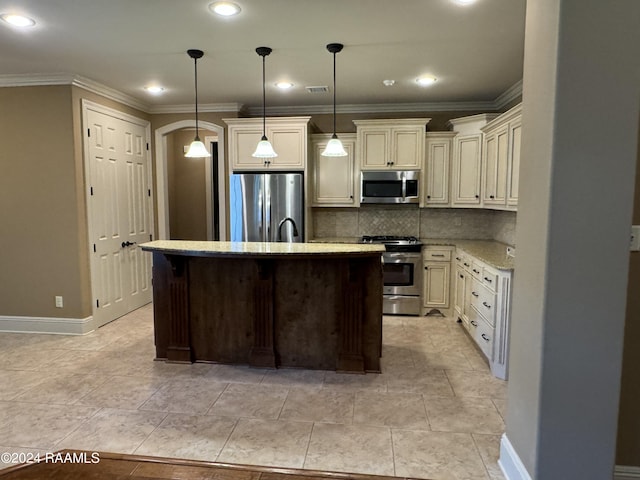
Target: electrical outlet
[(635, 238), (59, 301)]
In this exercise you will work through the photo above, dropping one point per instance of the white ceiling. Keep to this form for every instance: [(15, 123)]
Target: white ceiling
[(475, 51)]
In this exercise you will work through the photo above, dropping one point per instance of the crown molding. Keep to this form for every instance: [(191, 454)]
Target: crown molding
[(512, 93), (509, 95), (374, 108), (189, 108)]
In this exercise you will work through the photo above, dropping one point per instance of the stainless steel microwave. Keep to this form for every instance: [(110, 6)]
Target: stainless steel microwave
[(390, 187)]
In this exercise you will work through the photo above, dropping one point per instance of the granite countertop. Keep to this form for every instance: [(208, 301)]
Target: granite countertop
[(194, 248), (489, 251)]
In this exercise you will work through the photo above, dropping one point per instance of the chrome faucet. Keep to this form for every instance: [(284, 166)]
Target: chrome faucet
[(282, 222)]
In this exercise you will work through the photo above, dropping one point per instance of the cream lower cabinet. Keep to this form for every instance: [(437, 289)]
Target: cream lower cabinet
[(334, 179), (288, 135), (483, 305), (396, 144), (436, 283)]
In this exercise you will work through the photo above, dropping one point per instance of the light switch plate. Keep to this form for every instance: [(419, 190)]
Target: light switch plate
[(635, 238)]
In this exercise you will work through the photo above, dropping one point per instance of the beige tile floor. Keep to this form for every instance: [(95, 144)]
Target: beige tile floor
[(435, 411)]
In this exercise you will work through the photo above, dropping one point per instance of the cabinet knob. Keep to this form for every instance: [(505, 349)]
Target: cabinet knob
[(461, 276), (351, 197), (426, 268), (492, 196), (477, 196), (428, 196)]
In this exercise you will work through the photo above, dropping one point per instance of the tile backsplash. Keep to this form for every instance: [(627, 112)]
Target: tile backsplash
[(419, 222)]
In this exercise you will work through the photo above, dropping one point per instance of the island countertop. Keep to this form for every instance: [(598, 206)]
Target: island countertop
[(258, 249)]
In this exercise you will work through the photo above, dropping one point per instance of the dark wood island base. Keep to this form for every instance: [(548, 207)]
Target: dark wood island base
[(315, 306)]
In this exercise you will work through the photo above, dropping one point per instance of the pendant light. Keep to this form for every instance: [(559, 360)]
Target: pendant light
[(334, 147), (264, 148), (197, 148)]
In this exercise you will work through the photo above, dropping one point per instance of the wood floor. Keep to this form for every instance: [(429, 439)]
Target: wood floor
[(79, 465)]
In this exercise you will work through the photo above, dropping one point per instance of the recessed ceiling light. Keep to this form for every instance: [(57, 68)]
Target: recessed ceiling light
[(388, 83), (226, 9), (18, 20), (154, 89), (426, 80), (284, 85), (464, 2)]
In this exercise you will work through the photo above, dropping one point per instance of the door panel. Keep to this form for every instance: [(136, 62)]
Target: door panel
[(119, 213)]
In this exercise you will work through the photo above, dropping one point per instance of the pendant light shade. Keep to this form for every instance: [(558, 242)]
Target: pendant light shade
[(334, 147), (264, 148), (197, 148)]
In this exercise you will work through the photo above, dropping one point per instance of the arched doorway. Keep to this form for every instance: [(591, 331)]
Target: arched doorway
[(162, 180)]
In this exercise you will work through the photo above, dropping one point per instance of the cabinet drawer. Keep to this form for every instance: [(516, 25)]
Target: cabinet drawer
[(483, 335), (490, 278), (484, 301), (435, 255), (476, 269)]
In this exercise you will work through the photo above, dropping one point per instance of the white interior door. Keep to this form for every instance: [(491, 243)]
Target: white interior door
[(119, 211)]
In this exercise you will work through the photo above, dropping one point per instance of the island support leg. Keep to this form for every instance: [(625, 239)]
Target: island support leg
[(179, 344), (262, 353), (350, 358)]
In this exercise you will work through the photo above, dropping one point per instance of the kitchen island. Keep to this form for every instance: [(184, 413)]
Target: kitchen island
[(304, 305)]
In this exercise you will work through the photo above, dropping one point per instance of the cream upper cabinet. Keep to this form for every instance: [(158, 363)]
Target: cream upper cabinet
[(334, 179), (436, 173), (396, 144), (501, 160), (466, 178), (288, 135), (494, 171)]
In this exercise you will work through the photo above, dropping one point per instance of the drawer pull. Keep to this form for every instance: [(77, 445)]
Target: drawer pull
[(475, 271), (458, 258), (485, 338), (486, 304), (473, 322), (488, 280), (466, 264), (437, 255), (475, 294)]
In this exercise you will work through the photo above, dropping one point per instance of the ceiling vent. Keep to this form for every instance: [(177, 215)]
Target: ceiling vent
[(320, 89)]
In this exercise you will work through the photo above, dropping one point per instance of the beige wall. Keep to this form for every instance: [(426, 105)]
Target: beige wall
[(628, 447), (39, 204), (187, 188)]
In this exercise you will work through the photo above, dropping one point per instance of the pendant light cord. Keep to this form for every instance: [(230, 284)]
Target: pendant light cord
[(334, 94), (264, 101), (195, 68)]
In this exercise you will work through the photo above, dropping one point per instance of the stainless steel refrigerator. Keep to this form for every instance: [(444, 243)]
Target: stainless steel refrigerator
[(266, 207)]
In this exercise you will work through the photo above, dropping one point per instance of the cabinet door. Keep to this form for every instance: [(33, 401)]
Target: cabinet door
[(289, 142), (333, 177), (242, 145), (407, 147), (459, 294), (374, 149), (495, 167), (436, 284), (513, 175), (466, 177), (437, 182)]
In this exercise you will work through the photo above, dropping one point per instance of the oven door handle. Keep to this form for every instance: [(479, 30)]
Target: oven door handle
[(404, 185), (400, 256)]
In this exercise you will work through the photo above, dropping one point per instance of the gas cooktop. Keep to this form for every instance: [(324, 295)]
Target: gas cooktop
[(394, 243)]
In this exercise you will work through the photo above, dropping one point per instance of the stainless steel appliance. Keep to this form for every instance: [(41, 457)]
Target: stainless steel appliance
[(390, 187), (266, 207), (402, 274)]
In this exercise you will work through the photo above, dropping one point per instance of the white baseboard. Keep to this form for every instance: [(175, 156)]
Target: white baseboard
[(623, 472), (64, 326), (510, 463)]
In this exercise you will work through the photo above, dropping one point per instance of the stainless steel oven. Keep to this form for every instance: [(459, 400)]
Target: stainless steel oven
[(402, 274)]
